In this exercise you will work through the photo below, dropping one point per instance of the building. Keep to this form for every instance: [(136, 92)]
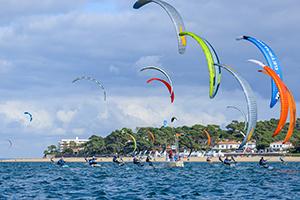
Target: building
[(74, 144), (279, 146), (227, 145), (250, 147)]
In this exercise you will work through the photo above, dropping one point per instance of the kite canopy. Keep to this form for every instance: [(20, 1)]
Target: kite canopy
[(251, 103), (173, 119), (92, 80), (162, 71), (175, 17), (242, 112), (29, 114), (283, 94), (166, 84), (287, 102), (134, 142), (151, 136), (211, 58), (208, 138), (165, 123), (272, 61), (292, 111), (10, 143)]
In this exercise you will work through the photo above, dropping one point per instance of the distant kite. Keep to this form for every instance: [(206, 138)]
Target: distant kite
[(92, 80), (29, 114)]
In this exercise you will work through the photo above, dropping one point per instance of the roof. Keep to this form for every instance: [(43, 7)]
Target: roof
[(74, 140), (281, 142), (229, 142)]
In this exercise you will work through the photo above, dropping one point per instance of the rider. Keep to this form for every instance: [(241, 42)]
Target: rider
[(148, 160), (92, 161), (282, 160), (227, 160), (171, 155), (61, 162), (136, 161), (208, 159), (263, 162), (116, 159)]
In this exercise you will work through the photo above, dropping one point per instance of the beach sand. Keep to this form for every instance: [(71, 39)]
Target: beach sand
[(129, 159)]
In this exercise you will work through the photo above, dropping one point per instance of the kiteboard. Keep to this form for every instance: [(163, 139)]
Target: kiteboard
[(96, 165)]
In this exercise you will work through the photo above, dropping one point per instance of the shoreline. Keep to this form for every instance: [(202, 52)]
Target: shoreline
[(129, 159)]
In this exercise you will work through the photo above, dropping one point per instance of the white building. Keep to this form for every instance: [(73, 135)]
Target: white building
[(279, 146), (250, 147), (67, 143), (227, 145), (251, 144)]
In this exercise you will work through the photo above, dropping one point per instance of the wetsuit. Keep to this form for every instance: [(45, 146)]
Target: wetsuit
[(148, 160), (263, 163), (171, 155), (92, 161), (282, 161), (116, 160), (208, 159), (137, 162), (227, 161), (61, 162)]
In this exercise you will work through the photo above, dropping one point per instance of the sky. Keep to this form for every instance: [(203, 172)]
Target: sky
[(44, 45)]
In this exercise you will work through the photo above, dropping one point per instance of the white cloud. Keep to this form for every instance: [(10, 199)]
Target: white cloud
[(66, 116), (78, 131), (58, 131), (48, 43), (113, 69), (13, 111), (148, 61)]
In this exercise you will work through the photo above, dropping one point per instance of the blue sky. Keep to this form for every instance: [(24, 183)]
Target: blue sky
[(45, 44)]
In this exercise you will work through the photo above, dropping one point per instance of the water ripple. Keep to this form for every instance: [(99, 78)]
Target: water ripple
[(195, 181)]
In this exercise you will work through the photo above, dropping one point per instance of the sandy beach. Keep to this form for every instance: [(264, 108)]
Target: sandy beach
[(129, 159)]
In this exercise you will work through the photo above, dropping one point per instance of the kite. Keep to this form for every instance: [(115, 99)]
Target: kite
[(93, 80), (251, 104), (175, 17), (272, 61)]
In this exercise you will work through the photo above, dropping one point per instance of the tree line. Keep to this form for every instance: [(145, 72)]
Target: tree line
[(187, 137)]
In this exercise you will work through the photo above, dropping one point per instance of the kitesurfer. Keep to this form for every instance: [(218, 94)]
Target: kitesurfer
[(208, 159), (61, 162), (117, 161), (92, 162), (263, 162), (136, 161), (228, 161), (282, 160), (171, 158), (148, 160)]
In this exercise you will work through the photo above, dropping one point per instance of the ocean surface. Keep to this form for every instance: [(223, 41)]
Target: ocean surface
[(194, 181)]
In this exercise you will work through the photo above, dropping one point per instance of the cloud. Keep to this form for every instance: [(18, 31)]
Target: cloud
[(45, 44), (13, 112), (66, 116), (78, 131), (148, 61), (113, 69)]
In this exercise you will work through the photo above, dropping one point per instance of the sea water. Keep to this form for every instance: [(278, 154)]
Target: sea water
[(194, 181)]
